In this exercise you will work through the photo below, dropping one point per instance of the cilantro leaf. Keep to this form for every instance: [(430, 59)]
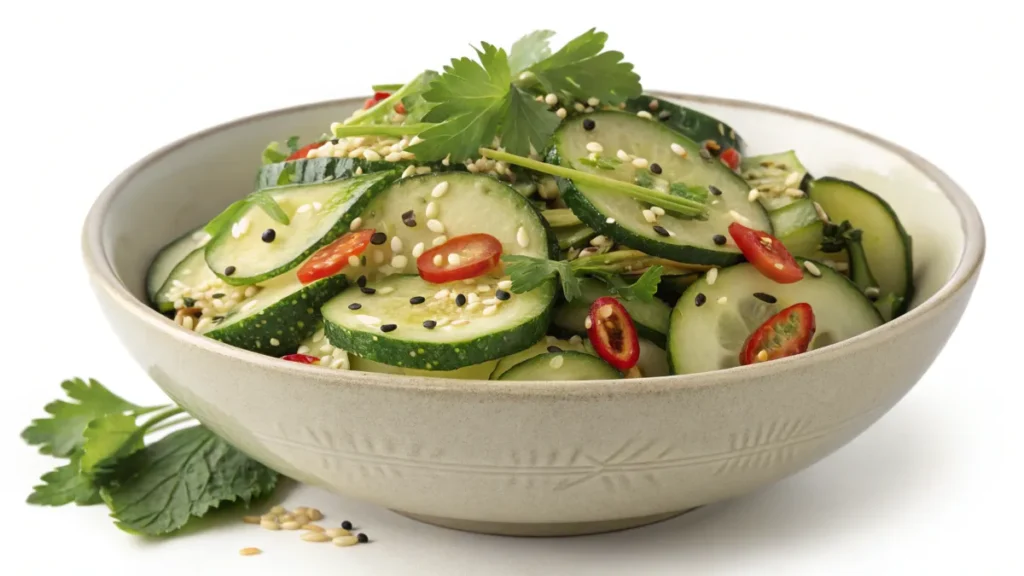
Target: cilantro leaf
[(581, 70), (266, 202), (293, 144), (642, 289), (161, 487), (528, 273), (226, 217), (62, 433), (533, 121), (272, 154), (107, 438), (65, 485), (529, 50)]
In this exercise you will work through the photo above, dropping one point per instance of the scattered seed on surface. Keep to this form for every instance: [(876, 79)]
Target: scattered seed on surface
[(649, 216), (753, 195), (595, 147), (396, 244), (386, 289), (314, 527), (440, 190), (229, 270), (345, 541), (337, 532), (645, 114), (460, 300), (429, 324), (378, 238), (501, 294), (658, 211), (557, 362), (621, 155), (554, 349), (712, 276), (779, 266), (353, 261), (821, 212), (250, 551), (656, 168), (388, 327), (409, 218), (551, 99), (714, 190), (275, 342), (432, 210), (399, 262), (417, 300), (810, 266), (609, 220), (765, 297), (363, 538), (490, 310), (435, 226), (505, 284), (639, 163), (700, 299), (368, 290), (678, 150), (588, 124), (561, 113), (438, 260), (251, 519), (588, 323), (439, 240), (269, 525), (357, 222), (660, 230), (315, 536)]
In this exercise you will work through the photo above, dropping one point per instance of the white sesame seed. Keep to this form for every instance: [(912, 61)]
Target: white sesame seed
[(595, 147), (454, 259), (396, 244), (649, 216), (269, 525), (588, 109), (472, 168), (753, 195), (303, 349), (460, 322), (399, 261), (435, 225), (447, 160), (409, 171), (386, 290), (793, 178), (658, 210), (275, 342), (188, 322), (605, 312), (794, 192), (598, 240), (250, 291), (368, 320), (423, 170), (551, 99), (557, 362), (561, 113), (505, 284), (418, 249), (578, 106), (490, 310), (317, 206), (432, 210), (522, 238), (483, 287), (415, 140), (821, 212), (621, 155), (723, 300), (315, 536), (812, 268), (473, 297), (393, 157), (592, 101), (872, 291), (356, 223), (645, 114), (371, 155), (440, 189), (588, 323), (609, 220), (439, 240), (353, 261), (438, 260), (441, 294), (640, 162), (740, 218), (326, 349), (712, 276), (678, 149), (490, 301), (473, 306), (345, 541)]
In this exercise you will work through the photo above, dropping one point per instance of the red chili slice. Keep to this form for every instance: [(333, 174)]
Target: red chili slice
[(330, 259), (301, 153), (786, 334), (612, 333), (377, 97), (766, 253), (731, 158), (400, 109), (462, 257), (301, 358)]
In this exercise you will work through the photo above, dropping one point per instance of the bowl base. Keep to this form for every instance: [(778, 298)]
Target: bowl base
[(539, 529)]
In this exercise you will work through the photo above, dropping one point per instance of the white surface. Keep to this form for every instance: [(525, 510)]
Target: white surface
[(935, 486)]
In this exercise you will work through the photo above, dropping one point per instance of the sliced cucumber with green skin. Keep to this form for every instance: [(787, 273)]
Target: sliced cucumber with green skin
[(772, 175), (388, 327), (317, 170), (650, 318), (653, 360), (279, 317), (480, 371), (562, 366), (887, 245), (688, 240), (318, 214), (560, 218), (169, 257), (464, 204), (191, 271), (574, 237), (798, 227), (542, 347), (710, 336), (695, 125)]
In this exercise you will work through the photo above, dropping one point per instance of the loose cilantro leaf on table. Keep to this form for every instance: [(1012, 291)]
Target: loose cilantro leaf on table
[(64, 485)]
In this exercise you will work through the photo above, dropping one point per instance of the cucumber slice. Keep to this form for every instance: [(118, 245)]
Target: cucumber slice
[(318, 214), (773, 175), (562, 366), (465, 335), (480, 371), (651, 319), (689, 240), (575, 237), (560, 218), (709, 337), (541, 347), (466, 203), (886, 243), (695, 125), (278, 318), (169, 257), (653, 360), (191, 271)]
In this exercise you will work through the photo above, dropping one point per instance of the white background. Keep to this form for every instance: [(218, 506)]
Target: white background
[(935, 486)]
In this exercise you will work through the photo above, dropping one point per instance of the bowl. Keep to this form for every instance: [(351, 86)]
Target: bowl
[(533, 458)]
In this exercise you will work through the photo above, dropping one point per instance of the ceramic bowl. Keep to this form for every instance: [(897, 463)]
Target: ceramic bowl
[(533, 458)]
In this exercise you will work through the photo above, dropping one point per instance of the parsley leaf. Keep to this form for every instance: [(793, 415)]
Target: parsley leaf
[(161, 487), (272, 154), (293, 144), (528, 272), (62, 433), (581, 70), (529, 50), (643, 289)]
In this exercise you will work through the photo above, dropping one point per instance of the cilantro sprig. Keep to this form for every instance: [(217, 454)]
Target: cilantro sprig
[(528, 272), (151, 488)]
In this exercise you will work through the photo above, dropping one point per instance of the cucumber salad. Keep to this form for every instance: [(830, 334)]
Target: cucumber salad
[(533, 214)]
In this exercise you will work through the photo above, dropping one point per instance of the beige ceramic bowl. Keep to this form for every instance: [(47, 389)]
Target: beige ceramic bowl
[(533, 458)]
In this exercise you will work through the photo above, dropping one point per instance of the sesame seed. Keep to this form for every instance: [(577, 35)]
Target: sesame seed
[(439, 240), (639, 162), (793, 178), (345, 541), (229, 270), (423, 170), (779, 266), (441, 294), (429, 324), (386, 290), (490, 310), (765, 297), (275, 342), (250, 551), (753, 195), (595, 147), (363, 538), (658, 210), (705, 154), (356, 223), (435, 226), (268, 235), (505, 284), (645, 114), (501, 294), (561, 113), (393, 157), (660, 230), (355, 306), (557, 362), (315, 536), (454, 259), (794, 192), (303, 208), (588, 323), (551, 99), (378, 257), (378, 238), (522, 238), (290, 525), (593, 101), (714, 190), (656, 168), (338, 532), (460, 322), (432, 210), (368, 290), (649, 216), (388, 327), (268, 524), (188, 322), (872, 292), (678, 149), (353, 261), (712, 276), (418, 250), (440, 190), (762, 356), (609, 220), (723, 300), (737, 217), (303, 350), (361, 281), (438, 260), (598, 240), (371, 155), (409, 171), (700, 299), (588, 123), (317, 206), (396, 244), (605, 312), (578, 106), (409, 219), (812, 268), (251, 519)]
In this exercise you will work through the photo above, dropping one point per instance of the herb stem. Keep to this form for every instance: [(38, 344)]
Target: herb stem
[(675, 204), (386, 87), (342, 131), (149, 424), (381, 109), (170, 424)]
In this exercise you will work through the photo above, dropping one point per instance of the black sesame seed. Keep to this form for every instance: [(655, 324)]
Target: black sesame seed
[(417, 300), (700, 299), (361, 281), (335, 141), (189, 302), (218, 295), (501, 294), (388, 327), (346, 525), (588, 124), (366, 290), (229, 270), (355, 306), (656, 168), (714, 190), (269, 235), (378, 238), (554, 349), (719, 239), (765, 297), (460, 300), (362, 538), (409, 219), (218, 319), (429, 324), (660, 230)]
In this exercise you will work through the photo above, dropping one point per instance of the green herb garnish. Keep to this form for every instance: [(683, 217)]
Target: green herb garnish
[(528, 272)]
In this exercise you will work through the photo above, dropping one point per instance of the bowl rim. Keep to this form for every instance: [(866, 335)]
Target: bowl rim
[(103, 277)]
